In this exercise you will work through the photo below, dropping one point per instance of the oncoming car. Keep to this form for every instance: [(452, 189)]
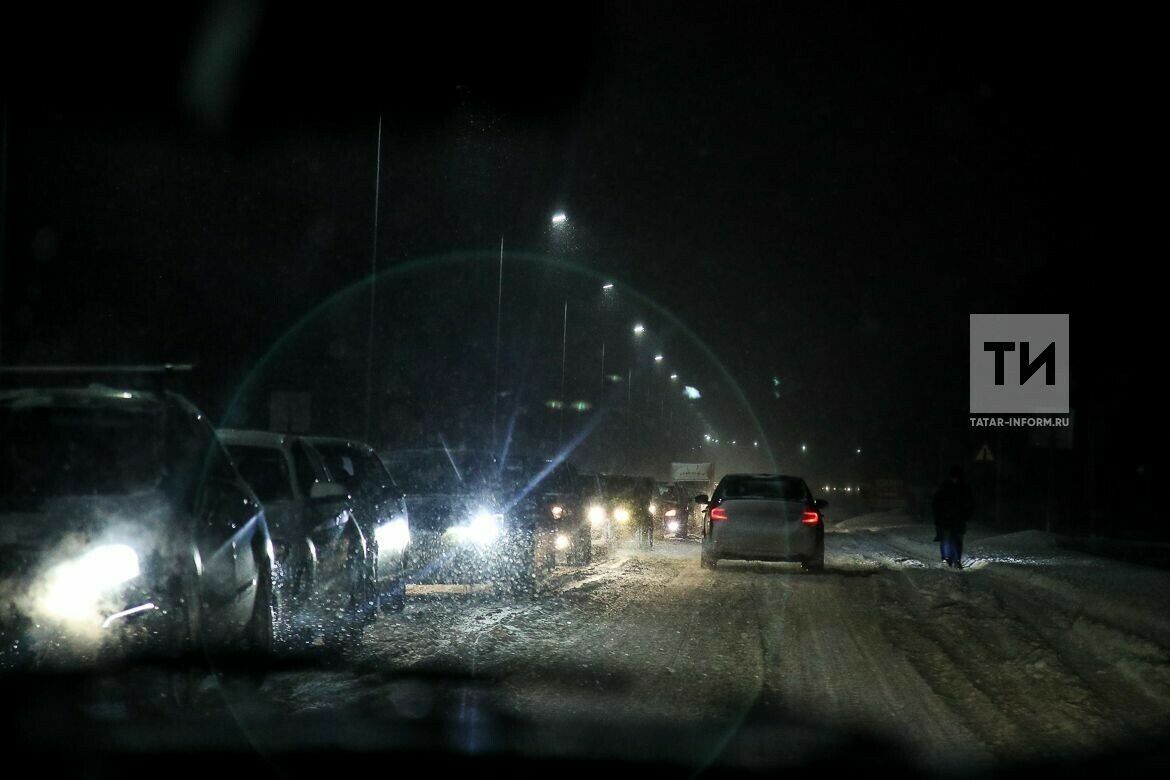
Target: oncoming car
[(124, 531), (628, 507), (466, 526), (548, 493), (763, 517)]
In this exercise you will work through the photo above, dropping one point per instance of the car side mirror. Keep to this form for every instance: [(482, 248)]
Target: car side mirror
[(819, 503), (326, 490), (702, 498)]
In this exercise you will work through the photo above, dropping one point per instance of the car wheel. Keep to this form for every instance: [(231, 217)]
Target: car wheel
[(345, 627), (394, 597), (522, 577), (817, 562), (259, 637), (583, 548)]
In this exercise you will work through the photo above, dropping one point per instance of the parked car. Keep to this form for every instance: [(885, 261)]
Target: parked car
[(763, 517), (125, 530), (380, 509), (464, 527), (324, 591)]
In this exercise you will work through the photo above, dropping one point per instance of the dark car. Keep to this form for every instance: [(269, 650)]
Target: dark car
[(670, 509), (466, 525), (549, 491), (324, 591), (124, 530), (628, 502), (763, 517), (380, 509)]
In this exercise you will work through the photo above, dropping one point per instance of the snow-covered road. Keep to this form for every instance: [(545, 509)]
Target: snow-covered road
[(1030, 652)]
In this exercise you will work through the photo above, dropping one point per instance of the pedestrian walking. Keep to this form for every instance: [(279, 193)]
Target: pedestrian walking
[(952, 506)]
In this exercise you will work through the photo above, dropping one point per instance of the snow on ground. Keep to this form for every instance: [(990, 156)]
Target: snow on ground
[(1032, 651)]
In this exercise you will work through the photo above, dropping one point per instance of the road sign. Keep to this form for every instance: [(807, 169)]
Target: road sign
[(984, 454)]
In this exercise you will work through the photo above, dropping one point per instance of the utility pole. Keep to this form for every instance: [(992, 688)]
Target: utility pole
[(373, 284), (564, 352), (496, 372)]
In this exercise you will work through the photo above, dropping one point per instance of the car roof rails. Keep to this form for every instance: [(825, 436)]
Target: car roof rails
[(151, 377)]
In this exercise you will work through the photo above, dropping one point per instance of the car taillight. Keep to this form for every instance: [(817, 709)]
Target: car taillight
[(810, 517), (718, 513)]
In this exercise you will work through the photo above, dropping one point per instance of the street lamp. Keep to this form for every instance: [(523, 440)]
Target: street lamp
[(559, 218), (658, 358), (804, 448), (639, 329), (674, 377), (607, 286)]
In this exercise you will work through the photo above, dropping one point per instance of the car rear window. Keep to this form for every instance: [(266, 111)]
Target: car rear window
[(777, 488)]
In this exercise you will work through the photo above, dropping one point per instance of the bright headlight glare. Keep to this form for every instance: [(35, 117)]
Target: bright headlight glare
[(483, 528), (621, 514), (596, 514), (74, 589), (672, 526), (557, 512), (562, 542), (393, 536), (653, 508)]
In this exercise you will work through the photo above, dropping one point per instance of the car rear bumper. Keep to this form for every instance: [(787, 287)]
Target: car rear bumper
[(794, 543)]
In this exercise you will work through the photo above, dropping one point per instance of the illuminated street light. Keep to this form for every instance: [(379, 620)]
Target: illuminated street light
[(639, 329), (674, 377), (859, 450), (658, 358), (692, 393), (559, 218), (607, 286), (804, 448)]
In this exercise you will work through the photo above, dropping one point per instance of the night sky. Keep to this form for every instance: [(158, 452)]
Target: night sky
[(820, 194)]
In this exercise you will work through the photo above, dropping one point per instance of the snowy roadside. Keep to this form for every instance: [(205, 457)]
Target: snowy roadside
[(1105, 621)]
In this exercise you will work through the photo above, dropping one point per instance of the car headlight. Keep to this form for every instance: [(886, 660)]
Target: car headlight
[(393, 536), (557, 512), (653, 508), (672, 526), (596, 514), (562, 542), (74, 589), (621, 514), (671, 512), (483, 528)]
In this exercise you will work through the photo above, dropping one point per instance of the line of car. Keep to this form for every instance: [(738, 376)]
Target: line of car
[(128, 525)]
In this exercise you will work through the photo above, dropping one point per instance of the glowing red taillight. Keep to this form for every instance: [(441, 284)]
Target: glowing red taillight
[(718, 513), (810, 517)]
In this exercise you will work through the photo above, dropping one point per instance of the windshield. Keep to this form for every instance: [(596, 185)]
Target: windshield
[(627, 487), (353, 468), (537, 476), (58, 451), (674, 387), (265, 469), (442, 472)]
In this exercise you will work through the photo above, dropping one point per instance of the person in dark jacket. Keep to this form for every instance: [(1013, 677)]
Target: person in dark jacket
[(952, 510)]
